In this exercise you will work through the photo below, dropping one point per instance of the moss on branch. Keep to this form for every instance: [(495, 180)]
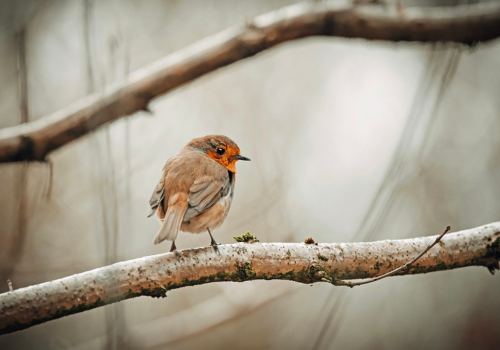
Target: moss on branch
[(303, 263)]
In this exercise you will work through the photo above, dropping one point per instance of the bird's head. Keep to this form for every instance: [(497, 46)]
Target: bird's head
[(220, 148)]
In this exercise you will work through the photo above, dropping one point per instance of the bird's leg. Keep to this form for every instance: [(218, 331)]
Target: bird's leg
[(173, 247), (213, 243)]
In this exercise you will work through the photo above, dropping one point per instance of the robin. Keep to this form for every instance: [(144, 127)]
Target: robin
[(196, 188)]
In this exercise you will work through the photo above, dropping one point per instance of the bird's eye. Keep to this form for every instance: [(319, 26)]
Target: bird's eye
[(221, 151)]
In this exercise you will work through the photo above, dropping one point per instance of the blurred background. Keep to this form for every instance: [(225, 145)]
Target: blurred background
[(350, 140)]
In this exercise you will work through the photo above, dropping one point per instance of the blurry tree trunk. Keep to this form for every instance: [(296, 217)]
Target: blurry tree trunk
[(304, 263), (467, 25)]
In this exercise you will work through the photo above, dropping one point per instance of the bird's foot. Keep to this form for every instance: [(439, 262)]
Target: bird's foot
[(173, 247), (214, 244)]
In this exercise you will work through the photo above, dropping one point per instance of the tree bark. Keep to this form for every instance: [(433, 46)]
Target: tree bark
[(304, 263), (461, 24)]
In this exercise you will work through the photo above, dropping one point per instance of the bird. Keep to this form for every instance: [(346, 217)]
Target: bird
[(196, 188)]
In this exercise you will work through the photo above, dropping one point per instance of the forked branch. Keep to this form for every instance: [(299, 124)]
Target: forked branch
[(396, 270)]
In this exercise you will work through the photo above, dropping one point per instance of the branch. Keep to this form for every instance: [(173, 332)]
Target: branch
[(396, 270), (461, 24), (304, 263)]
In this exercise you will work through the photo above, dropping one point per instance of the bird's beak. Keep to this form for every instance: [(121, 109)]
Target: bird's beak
[(240, 157)]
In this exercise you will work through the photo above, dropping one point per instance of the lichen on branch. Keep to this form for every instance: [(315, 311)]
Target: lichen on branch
[(299, 262)]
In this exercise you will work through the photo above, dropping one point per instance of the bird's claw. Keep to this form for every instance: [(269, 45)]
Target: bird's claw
[(214, 245), (173, 248)]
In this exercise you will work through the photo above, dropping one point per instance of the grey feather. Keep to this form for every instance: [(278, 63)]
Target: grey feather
[(203, 195), (172, 223), (157, 197)]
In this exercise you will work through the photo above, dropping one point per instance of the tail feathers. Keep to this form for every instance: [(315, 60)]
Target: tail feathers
[(172, 223)]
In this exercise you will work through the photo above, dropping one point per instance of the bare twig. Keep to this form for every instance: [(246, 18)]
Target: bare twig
[(460, 24), (395, 271), (299, 262)]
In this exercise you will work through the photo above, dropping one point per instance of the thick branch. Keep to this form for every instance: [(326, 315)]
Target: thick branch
[(299, 262), (461, 24)]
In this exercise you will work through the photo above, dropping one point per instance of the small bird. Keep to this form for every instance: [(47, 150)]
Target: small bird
[(196, 188)]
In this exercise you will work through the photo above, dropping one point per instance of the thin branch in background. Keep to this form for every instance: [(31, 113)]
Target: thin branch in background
[(460, 24), (385, 192), (389, 189), (331, 314), (50, 164), (395, 271), (391, 184), (445, 81), (22, 75), (101, 150), (87, 21), (336, 323), (367, 226), (397, 164), (120, 320), (245, 311), (118, 66), (17, 239)]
